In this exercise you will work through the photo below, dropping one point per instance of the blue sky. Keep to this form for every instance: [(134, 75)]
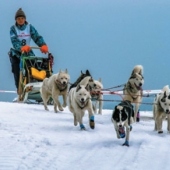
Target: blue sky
[(108, 37)]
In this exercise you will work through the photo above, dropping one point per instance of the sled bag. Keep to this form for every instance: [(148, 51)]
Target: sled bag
[(39, 75)]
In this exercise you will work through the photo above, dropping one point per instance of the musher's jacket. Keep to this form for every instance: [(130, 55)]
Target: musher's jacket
[(22, 35)]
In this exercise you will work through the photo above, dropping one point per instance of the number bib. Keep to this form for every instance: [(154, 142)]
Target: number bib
[(24, 35)]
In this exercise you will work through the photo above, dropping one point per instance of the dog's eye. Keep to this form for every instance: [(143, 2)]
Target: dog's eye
[(117, 120), (165, 104), (123, 118)]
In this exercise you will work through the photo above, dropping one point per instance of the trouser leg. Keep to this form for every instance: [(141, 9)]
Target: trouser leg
[(15, 70)]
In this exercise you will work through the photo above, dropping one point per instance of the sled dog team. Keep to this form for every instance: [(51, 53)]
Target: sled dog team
[(80, 95)]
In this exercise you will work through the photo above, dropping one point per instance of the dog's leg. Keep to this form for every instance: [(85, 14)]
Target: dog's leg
[(156, 128), (168, 122), (116, 128), (136, 111), (95, 106), (64, 100), (159, 121), (79, 117), (100, 104), (45, 98), (75, 118), (91, 117), (55, 97), (127, 136), (154, 117)]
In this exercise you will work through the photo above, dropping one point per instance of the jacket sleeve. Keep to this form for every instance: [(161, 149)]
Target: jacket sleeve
[(14, 39), (38, 39)]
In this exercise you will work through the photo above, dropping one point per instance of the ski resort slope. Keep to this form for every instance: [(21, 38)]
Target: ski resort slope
[(34, 139)]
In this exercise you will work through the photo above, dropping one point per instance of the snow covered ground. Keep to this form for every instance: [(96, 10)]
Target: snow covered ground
[(34, 139)]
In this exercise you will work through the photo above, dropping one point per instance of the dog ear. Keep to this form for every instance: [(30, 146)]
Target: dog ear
[(66, 71), (163, 98), (87, 87), (169, 97), (133, 76), (78, 87), (81, 72), (88, 73), (91, 79)]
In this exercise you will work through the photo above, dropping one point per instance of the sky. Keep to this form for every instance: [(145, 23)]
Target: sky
[(108, 37), (34, 139)]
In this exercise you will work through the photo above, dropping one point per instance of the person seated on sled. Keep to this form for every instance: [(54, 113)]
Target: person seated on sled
[(21, 34)]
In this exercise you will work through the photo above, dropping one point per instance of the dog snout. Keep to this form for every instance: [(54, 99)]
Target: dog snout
[(120, 126), (140, 84), (94, 85), (64, 82), (82, 99), (167, 110)]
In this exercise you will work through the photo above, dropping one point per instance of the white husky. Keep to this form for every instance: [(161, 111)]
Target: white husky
[(133, 88), (79, 101), (97, 96), (55, 86), (161, 109)]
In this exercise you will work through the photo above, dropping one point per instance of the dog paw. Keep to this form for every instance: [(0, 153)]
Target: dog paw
[(61, 109), (82, 127), (92, 123), (161, 131), (75, 123), (126, 143), (64, 105), (130, 127), (122, 132)]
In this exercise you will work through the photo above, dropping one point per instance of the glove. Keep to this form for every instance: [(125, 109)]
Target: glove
[(25, 48), (44, 49)]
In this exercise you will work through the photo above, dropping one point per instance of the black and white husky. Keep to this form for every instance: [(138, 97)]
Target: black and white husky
[(122, 118), (161, 109)]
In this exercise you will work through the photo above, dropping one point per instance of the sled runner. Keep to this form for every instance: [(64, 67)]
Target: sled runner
[(33, 70)]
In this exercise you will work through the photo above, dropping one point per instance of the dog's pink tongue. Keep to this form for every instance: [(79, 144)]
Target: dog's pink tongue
[(140, 88), (121, 130)]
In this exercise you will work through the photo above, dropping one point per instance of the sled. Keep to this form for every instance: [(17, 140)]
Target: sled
[(33, 70)]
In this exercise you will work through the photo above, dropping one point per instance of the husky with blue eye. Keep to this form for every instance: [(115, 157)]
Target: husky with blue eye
[(122, 118)]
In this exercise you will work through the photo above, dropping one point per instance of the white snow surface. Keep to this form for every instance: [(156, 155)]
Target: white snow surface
[(34, 139)]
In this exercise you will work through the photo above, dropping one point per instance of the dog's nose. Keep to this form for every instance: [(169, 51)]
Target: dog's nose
[(120, 125), (167, 110), (94, 85), (140, 84), (82, 99), (64, 82)]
